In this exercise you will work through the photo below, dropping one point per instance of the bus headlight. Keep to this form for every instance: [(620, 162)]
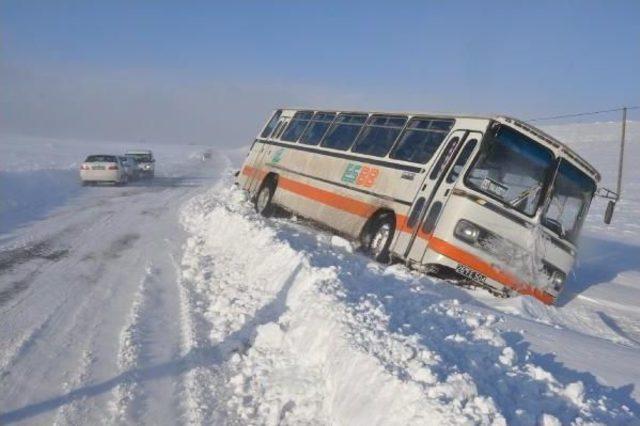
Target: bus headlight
[(557, 280), (467, 231)]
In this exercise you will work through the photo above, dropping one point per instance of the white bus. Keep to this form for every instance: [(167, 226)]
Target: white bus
[(486, 201)]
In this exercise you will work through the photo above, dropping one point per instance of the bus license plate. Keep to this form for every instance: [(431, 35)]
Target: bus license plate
[(471, 274)]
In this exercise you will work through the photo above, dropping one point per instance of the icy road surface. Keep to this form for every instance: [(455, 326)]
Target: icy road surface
[(173, 302)]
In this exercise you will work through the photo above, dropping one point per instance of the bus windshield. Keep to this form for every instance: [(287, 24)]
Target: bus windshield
[(512, 168), (572, 193)]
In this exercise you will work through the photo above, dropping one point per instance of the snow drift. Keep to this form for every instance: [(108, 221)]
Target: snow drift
[(317, 335)]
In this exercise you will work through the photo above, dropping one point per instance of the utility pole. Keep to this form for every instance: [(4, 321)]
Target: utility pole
[(621, 159)]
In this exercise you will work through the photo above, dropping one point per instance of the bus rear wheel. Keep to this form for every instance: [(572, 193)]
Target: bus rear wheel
[(379, 239), (262, 202)]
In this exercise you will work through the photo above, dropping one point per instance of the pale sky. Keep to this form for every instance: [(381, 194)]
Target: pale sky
[(210, 72)]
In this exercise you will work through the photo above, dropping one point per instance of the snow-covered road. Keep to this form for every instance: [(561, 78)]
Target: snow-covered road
[(173, 302), (89, 296)]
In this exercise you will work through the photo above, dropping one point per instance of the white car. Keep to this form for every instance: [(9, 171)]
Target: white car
[(130, 167), (103, 168), (145, 160)]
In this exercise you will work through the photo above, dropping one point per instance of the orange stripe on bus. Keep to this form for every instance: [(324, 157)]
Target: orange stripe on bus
[(485, 268), (253, 172), (365, 210), (326, 197), (401, 224)]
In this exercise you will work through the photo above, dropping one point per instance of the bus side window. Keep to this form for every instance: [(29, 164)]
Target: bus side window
[(343, 131), (461, 161), (415, 212), (430, 221), (276, 133), (318, 127), (272, 124), (378, 135), (443, 157), (420, 139), (297, 126)]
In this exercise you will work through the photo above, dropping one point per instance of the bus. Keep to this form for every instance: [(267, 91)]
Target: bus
[(483, 201)]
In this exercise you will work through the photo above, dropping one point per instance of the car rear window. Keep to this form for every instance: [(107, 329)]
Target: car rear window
[(141, 158), (101, 159)]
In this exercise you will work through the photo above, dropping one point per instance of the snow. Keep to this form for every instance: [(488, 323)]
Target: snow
[(173, 302), (39, 174)]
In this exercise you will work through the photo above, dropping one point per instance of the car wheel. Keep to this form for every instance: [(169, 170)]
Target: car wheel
[(262, 201), (380, 236)]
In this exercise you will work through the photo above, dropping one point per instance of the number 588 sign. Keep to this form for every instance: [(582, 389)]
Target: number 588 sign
[(360, 175)]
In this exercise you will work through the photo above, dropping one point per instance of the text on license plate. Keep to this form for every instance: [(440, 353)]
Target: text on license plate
[(471, 274), (97, 168)]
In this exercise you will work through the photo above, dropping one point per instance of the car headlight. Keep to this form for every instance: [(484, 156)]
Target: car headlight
[(467, 231)]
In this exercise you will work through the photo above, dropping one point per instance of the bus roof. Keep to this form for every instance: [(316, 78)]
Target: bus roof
[(520, 125)]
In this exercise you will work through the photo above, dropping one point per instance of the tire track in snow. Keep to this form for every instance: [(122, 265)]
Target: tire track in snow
[(80, 331), (69, 413), (18, 348), (198, 380), (194, 403), (128, 397), (75, 325)]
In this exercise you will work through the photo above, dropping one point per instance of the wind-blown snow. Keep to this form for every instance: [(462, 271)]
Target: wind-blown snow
[(174, 302)]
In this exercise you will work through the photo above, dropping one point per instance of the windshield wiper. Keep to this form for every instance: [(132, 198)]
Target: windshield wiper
[(533, 190)]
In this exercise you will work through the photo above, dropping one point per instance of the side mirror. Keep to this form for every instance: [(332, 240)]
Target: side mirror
[(608, 214)]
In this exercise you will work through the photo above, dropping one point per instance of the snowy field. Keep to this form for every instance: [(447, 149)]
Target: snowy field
[(171, 302)]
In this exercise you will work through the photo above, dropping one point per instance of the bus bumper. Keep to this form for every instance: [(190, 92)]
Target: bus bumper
[(480, 271)]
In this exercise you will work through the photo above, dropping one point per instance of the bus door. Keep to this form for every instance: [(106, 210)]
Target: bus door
[(416, 242), (262, 153), (405, 240), (445, 181)]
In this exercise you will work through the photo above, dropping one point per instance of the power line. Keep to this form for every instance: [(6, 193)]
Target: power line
[(580, 114)]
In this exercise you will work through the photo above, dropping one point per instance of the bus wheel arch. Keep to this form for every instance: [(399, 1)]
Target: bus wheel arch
[(264, 197), (377, 234)]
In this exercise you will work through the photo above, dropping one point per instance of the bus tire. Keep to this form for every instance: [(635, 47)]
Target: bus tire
[(262, 201), (380, 235)]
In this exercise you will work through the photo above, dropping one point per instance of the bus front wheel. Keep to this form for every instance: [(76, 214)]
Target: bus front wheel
[(262, 201), (379, 238)]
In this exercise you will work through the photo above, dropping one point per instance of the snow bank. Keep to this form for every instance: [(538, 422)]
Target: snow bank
[(311, 334)]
